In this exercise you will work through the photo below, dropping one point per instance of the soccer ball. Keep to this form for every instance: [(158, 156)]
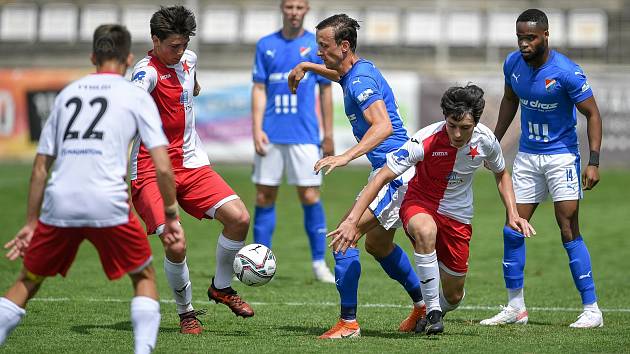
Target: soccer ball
[(254, 265)]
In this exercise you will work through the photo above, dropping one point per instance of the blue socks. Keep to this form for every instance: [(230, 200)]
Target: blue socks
[(580, 264), (264, 224), (315, 225), (347, 274), (513, 258), (398, 267)]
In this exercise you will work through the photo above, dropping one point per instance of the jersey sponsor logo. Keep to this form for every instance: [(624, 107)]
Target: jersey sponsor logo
[(401, 154), (275, 78), (537, 105), (439, 153), (304, 51), (473, 152), (139, 76), (183, 99), (516, 77), (165, 76), (550, 84), (352, 117), (365, 95), (453, 179), (270, 53)]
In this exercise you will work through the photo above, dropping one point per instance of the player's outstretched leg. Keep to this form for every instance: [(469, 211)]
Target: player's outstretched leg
[(347, 274), (315, 226), (397, 265), (513, 273), (10, 317), (580, 264), (13, 304)]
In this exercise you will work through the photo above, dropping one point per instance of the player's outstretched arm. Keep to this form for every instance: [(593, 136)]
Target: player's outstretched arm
[(18, 245), (166, 183), (506, 191), (380, 128), (507, 111), (588, 107), (347, 233), (297, 74), (259, 100)]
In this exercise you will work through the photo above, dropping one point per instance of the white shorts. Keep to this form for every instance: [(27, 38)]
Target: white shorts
[(297, 160), (386, 205), (535, 176)]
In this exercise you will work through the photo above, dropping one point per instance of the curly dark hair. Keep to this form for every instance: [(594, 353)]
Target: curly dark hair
[(344, 27), (458, 101), (534, 15), (111, 41), (173, 20)]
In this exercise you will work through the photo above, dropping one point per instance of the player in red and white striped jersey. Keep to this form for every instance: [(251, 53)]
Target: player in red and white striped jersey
[(437, 209), (86, 140), (168, 74)]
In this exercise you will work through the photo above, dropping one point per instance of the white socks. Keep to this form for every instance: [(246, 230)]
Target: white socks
[(10, 316), (446, 306), (516, 299), (592, 307), (145, 318), (226, 251), (179, 280), (429, 274)]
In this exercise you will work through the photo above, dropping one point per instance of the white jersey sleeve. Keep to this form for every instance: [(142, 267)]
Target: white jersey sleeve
[(144, 76), (149, 122), (48, 139), (407, 155), (494, 157)]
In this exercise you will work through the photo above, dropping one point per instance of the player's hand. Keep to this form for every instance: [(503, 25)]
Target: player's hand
[(260, 142), (331, 162), (18, 245), (173, 232), (522, 225), (343, 237), (328, 147), (197, 89), (295, 76), (590, 177)]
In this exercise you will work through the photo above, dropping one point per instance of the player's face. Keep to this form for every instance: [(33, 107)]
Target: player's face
[(170, 50), (331, 53), (460, 132), (293, 12), (532, 40)]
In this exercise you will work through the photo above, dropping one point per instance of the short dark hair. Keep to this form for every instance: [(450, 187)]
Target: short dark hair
[(344, 27), (458, 101), (173, 20), (534, 15), (111, 42)]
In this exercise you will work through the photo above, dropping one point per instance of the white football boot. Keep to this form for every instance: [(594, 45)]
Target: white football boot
[(322, 272), (589, 319), (508, 315)]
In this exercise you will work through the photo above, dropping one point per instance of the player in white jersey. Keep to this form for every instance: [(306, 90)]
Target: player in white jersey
[(86, 140), (437, 208), (168, 74)]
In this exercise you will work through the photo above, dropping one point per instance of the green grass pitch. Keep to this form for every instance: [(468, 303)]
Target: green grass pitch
[(86, 313)]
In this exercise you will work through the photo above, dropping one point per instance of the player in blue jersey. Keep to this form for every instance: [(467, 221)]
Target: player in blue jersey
[(286, 131), (549, 87), (373, 113)]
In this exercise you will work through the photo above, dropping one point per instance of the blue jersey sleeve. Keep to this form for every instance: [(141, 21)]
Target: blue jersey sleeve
[(259, 71), (576, 85), (364, 91)]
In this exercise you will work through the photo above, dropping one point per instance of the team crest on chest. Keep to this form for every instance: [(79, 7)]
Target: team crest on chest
[(473, 152), (550, 84), (304, 51), (185, 67)]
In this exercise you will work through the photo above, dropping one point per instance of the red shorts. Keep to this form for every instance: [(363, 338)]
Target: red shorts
[(452, 243), (200, 191), (122, 248)]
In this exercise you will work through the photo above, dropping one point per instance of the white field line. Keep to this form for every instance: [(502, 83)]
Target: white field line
[(322, 304)]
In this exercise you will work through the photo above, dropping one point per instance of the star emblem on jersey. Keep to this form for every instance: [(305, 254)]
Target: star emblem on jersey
[(186, 67), (473, 152), (550, 84), (304, 51)]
